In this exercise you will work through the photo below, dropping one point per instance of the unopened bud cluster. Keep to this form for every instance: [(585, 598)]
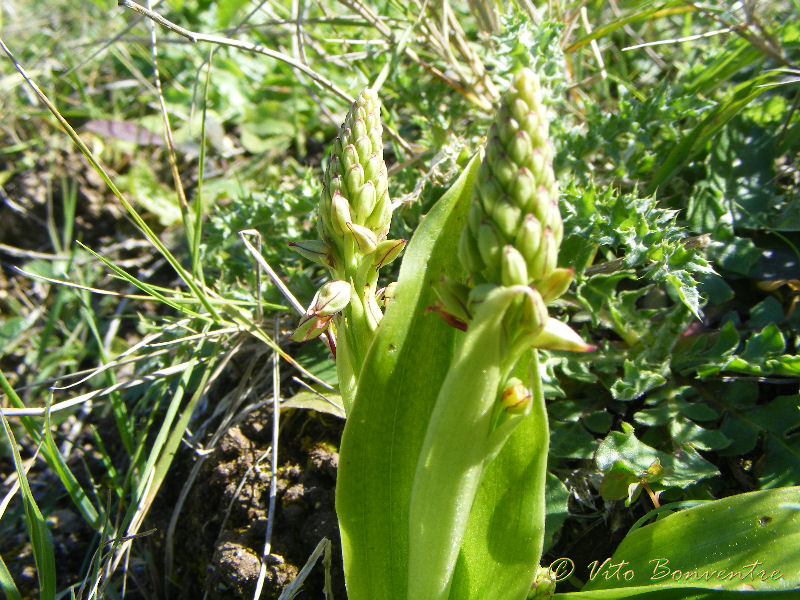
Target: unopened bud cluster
[(354, 216), (355, 201), (514, 228)]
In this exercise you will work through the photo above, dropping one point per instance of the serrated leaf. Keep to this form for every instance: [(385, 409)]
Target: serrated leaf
[(767, 342), (636, 381), (682, 468), (696, 139)]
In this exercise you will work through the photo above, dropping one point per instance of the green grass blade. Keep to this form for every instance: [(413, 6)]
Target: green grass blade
[(137, 219), (55, 460), (397, 391), (38, 534), (7, 583), (666, 9), (197, 234), (145, 287), (118, 408)]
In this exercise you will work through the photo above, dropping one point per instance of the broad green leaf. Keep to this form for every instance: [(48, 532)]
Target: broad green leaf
[(766, 312), (777, 424), (502, 546), (748, 541), (397, 390), (571, 440)]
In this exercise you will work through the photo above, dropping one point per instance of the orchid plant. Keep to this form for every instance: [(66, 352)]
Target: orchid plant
[(441, 485)]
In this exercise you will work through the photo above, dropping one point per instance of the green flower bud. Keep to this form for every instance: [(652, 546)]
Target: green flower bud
[(514, 271), (381, 216), (528, 239), (359, 128), (330, 299), (355, 180), (489, 245), (544, 261), (543, 205), (373, 166), (349, 158), (365, 202), (543, 586), (508, 217), (519, 148), (525, 189), (365, 239), (387, 251), (515, 397), (533, 315), (310, 327), (340, 213), (357, 173), (363, 146), (515, 195)]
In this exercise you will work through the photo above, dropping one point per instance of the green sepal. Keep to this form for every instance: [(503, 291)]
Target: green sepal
[(364, 238), (310, 327), (556, 284), (316, 251), (560, 336), (386, 252)]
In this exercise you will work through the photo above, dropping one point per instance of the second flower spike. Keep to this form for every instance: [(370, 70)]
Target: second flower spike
[(356, 192)]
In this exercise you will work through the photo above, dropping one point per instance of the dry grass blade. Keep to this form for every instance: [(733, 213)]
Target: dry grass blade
[(273, 480), (248, 46)]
